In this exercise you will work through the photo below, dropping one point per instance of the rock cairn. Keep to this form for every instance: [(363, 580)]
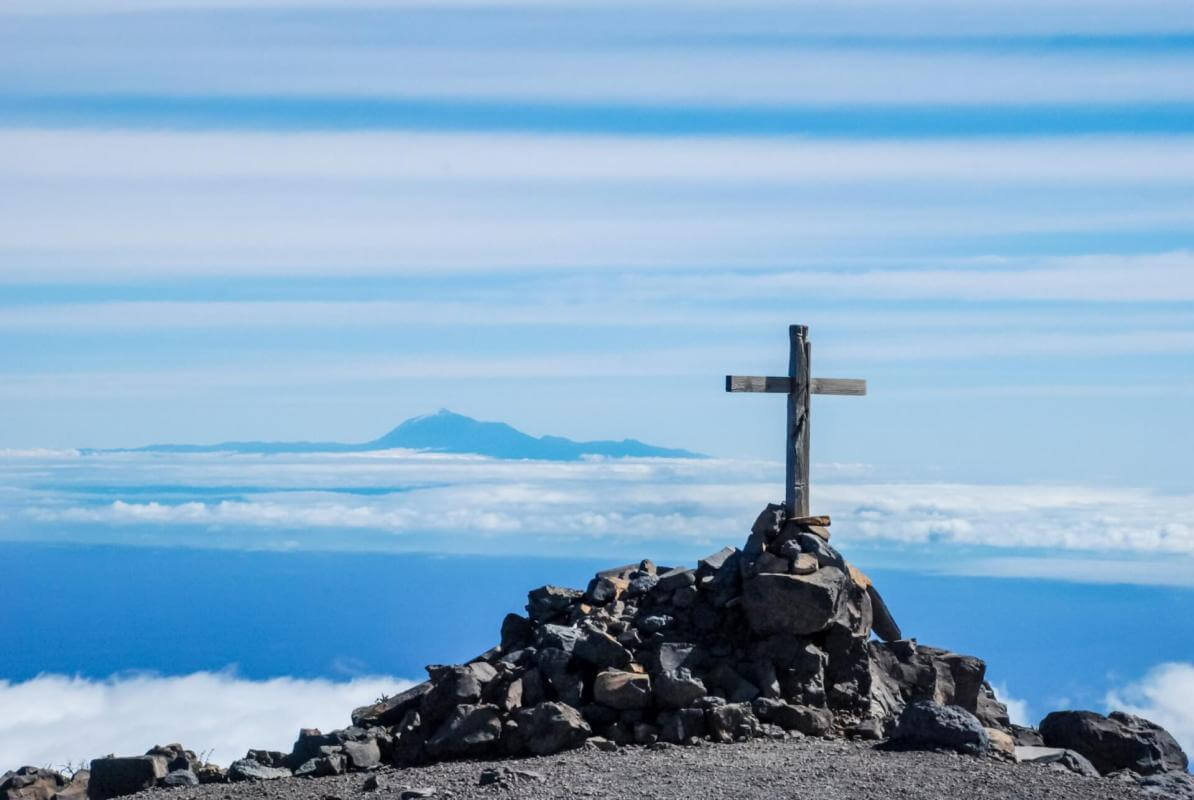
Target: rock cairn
[(771, 640)]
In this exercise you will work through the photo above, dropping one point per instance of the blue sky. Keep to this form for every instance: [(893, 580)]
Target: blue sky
[(290, 220), (293, 219)]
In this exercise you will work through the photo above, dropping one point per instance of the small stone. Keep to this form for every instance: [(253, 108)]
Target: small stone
[(766, 562), (674, 579), (712, 563), (820, 531), (733, 722), (371, 784), (1058, 758), (604, 590), (1002, 743), (645, 733), (803, 564), (653, 623), (331, 764), (622, 690), (180, 777), (247, 769), (869, 729), (601, 744), (416, 792), (642, 584)]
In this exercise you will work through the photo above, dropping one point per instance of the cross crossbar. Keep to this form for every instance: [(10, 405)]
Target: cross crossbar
[(780, 385), (799, 387)]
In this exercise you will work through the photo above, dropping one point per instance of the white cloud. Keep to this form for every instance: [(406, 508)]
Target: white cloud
[(1164, 695), (1166, 276), (451, 158), (1017, 709), (1104, 533), (56, 719)]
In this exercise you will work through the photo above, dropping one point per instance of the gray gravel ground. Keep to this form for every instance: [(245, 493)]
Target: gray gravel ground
[(809, 769)]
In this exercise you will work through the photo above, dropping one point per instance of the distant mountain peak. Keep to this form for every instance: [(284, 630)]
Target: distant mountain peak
[(446, 431)]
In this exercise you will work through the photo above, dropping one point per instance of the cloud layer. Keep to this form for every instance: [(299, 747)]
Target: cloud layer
[(55, 720), (416, 501)]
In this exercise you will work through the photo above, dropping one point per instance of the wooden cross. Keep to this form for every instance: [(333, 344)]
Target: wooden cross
[(798, 386)]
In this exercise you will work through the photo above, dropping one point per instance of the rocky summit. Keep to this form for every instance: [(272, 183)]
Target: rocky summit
[(780, 639)]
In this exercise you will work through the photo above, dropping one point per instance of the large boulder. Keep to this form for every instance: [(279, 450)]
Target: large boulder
[(678, 689), (548, 601), (31, 783), (601, 650), (362, 755), (470, 730), (798, 604), (551, 727), (1118, 741), (390, 710), (925, 724), (453, 687), (112, 777)]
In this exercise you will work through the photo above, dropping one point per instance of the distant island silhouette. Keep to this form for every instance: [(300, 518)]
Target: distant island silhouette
[(445, 432)]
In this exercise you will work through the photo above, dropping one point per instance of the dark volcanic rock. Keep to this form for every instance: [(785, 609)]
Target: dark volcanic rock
[(470, 730), (795, 604), (112, 777), (247, 769), (31, 783), (180, 777), (622, 690), (1118, 741), (391, 710), (927, 724), (552, 727)]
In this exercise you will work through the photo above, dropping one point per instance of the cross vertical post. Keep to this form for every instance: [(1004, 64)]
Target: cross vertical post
[(796, 483)]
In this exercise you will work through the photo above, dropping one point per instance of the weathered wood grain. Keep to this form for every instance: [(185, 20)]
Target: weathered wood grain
[(775, 384), (846, 386), (796, 488), (757, 383)]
